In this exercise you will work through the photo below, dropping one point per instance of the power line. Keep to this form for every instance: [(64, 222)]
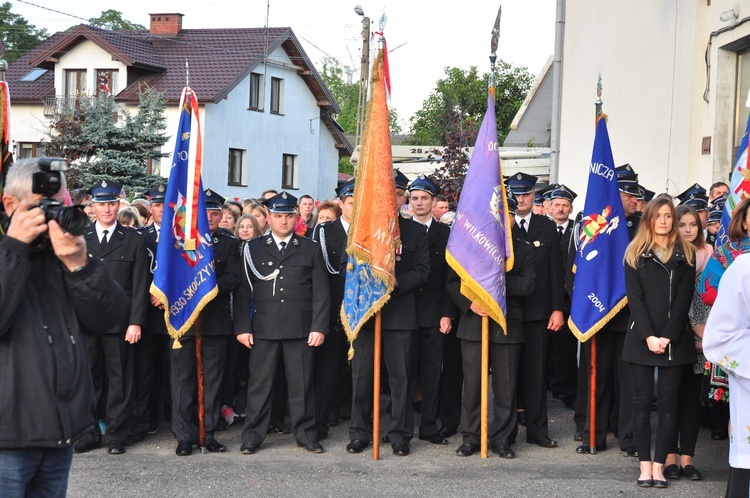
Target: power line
[(52, 10)]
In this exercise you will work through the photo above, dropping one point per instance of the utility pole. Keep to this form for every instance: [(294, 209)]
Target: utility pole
[(364, 75)]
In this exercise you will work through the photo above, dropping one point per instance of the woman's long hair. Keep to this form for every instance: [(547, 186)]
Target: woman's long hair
[(644, 239)]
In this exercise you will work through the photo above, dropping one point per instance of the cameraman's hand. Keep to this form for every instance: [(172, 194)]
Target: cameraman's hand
[(69, 248), (27, 222)]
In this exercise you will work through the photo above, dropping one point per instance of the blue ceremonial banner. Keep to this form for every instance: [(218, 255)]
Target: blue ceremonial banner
[(599, 288), (479, 246), (184, 278), (739, 188)]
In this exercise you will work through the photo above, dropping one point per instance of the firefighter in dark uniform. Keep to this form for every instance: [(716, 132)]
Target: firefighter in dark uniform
[(435, 309), (399, 330), (543, 310), (216, 330), (151, 349), (111, 351), (282, 312), (505, 352), (330, 357)]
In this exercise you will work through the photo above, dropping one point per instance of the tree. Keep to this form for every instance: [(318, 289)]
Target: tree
[(112, 19), (17, 35), (464, 92), (99, 148)]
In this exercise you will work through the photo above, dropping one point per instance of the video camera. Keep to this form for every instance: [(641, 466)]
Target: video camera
[(48, 182)]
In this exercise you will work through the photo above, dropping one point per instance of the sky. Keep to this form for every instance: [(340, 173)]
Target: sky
[(422, 39)]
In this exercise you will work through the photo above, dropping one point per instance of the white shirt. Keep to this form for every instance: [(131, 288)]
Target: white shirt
[(100, 231), (345, 224), (279, 241), (525, 226)]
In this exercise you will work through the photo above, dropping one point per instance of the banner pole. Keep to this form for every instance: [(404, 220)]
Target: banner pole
[(485, 384), (592, 398), (376, 389), (199, 374)]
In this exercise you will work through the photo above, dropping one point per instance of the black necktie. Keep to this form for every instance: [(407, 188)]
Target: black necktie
[(560, 230), (523, 224), (283, 247), (103, 242)]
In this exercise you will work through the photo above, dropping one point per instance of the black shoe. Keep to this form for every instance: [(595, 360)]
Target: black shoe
[(280, 428), (447, 431), (585, 449), (115, 448), (504, 451), (719, 435), (356, 446), (400, 449), (132, 439), (314, 447), (578, 436), (521, 418), (645, 483), (434, 439), (630, 451), (544, 442), (153, 428), (184, 448), (660, 484), (690, 472), (467, 449), (671, 472), (248, 448), (85, 446), (214, 446)]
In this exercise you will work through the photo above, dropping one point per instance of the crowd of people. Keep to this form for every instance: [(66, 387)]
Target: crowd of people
[(274, 348)]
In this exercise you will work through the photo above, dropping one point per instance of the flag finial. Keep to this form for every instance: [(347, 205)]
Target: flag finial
[(598, 101)]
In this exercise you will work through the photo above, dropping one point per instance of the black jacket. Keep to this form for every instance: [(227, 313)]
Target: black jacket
[(46, 392), (155, 323), (332, 239), (433, 302), (659, 295), (293, 304), (519, 284)]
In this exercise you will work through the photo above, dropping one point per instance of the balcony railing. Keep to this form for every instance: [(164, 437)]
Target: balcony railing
[(55, 105)]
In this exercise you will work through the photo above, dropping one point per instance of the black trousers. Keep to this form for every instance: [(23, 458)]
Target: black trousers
[(738, 485), (185, 385), (330, 367), (504, 360), (430, 360), (563, 354), (398, 352), (534, 378), (111, 361), (689, 414), (299, 367), (451, 380), (149, 360), (667, 393)]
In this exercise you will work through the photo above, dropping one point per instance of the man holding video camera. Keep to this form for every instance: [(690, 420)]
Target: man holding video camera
[(49, 291)]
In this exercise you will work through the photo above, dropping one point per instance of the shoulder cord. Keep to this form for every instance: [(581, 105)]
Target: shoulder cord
[(153, 264), (322, 233), (249, 263)]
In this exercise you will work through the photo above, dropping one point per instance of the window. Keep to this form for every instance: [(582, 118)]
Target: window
[(106, 82), (75, 82), (34, 74), (236, 167), (289, 173), (256, 92), (26, 150), (277, 96)]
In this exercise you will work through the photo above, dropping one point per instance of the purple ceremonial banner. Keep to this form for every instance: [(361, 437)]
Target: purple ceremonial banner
[(479, 247)]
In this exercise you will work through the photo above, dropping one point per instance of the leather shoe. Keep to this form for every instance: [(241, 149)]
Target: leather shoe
[(214, 446), (115, 448), (630, 452), (279, 428), (660, 484), (544, 442), (400, 449), (86, 446), (645, 483), (671, 472), (248, 448), (585, 449), (184, 448), (434, 439), (314, 447), (447, 431), (467, 449), (504, 451), (356, 446), (578, 436), (690, 472)]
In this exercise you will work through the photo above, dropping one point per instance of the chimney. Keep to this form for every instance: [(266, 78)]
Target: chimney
[(165, 24)]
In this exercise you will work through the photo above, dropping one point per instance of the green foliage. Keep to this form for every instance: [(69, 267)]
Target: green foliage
[(464, 92), (345, 94), (98, 147), (17, 35), (112, 19), (345, 166)]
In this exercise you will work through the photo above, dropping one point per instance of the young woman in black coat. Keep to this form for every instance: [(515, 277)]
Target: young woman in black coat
[(660, 280)]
